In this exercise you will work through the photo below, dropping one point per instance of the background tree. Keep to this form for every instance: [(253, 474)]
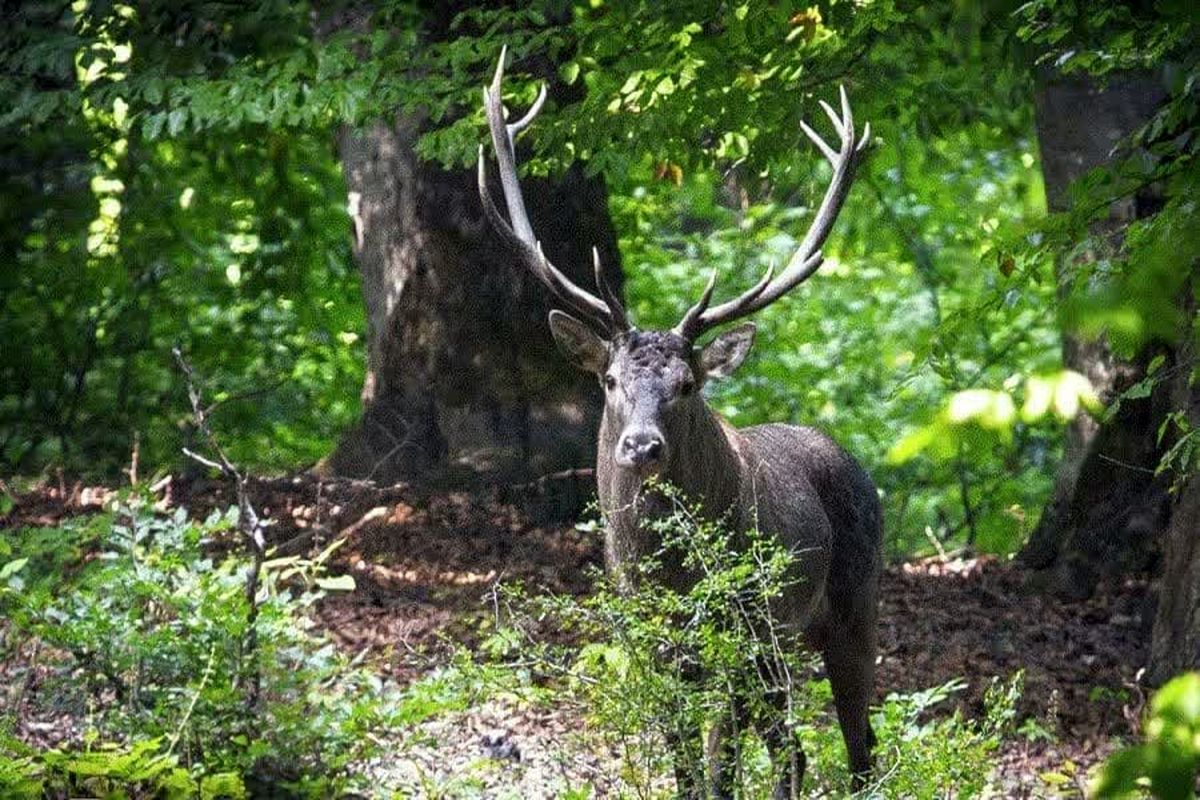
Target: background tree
[(1108, 501), (460, 366), (1127, 489)]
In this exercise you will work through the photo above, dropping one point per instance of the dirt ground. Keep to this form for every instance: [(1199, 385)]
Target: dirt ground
[(425, 564)]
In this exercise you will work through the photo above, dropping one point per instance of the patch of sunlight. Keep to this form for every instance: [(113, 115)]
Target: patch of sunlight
[(1063, 393), (989, 408), (243, 243)]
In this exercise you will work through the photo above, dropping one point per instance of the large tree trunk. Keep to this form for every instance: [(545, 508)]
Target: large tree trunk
[(1107, 504), (462, 374), (461, 368)]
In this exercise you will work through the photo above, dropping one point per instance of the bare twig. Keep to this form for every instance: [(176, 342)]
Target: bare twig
[(250, 525), (187, 715), (540, 483), (964, 491), (937, 545), (398, 444)]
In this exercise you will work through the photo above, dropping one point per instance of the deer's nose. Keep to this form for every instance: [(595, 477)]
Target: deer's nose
[(643, 447)]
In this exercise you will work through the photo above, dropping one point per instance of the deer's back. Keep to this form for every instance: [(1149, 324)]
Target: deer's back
[(810, 492)]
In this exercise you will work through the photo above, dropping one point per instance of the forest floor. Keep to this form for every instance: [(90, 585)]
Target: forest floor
[(426, 564)]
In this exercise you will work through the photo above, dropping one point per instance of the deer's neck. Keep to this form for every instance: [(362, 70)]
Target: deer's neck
[(703, 462)]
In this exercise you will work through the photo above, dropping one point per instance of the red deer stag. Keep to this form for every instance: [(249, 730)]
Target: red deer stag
[(792, 482)]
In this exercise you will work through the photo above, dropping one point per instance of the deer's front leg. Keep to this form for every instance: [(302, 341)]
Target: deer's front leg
[(687, 763), (724, 756)]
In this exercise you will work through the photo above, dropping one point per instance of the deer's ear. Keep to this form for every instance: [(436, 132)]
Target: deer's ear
[(578, 342), (724, 354)]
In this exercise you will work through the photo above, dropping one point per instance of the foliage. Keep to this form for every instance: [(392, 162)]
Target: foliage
[(147, 613), (926, 758), (173, 183), (142, 770), (1125, 288), (1167, 763), (660, 665), (227, 249)]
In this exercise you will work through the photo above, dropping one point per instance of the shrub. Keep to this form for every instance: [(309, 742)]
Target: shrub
[(149, 613), (659, 665), (1167, 763)]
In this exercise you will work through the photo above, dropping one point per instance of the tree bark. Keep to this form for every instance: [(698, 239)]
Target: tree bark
[(463, 378), (1107, 503), (461, 368), (1175, 643)]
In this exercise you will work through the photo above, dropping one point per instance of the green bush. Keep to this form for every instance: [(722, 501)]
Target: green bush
[(110, 771), (149, 614), (658, 665), (1167, 763)]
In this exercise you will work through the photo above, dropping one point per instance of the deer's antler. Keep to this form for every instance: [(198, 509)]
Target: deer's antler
[(808, 257), (607, 314)]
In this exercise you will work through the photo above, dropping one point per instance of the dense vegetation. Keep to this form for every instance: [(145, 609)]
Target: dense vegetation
[(206, 212), (176, 186), (171, 180)]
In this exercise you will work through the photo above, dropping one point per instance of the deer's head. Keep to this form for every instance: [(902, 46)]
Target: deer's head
[(652, 379)]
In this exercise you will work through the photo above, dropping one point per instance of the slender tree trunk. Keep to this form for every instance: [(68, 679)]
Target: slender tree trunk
[(462, 373), (1175, 644), (1107, 503)]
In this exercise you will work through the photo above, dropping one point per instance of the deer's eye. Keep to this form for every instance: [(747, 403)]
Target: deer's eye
[(610, 382)]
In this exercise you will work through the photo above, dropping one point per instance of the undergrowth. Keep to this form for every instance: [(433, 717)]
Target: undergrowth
[(139, 635), (658, 665), (134, 629)]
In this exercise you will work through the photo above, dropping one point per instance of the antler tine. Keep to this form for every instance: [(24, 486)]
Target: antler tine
[(516, 127), (847, 114), (833, 118), (558, 285), (608, 314), (866, 137), (692, 315), (830, 154), (808, 256), (615, 307), (692, 324)]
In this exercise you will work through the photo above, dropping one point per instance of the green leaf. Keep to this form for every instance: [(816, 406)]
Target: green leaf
[(152, 125), (153, 92), (12, 568), (1120, 773), (338, 583), (224, 785), (1179, 700), (175, 121)]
